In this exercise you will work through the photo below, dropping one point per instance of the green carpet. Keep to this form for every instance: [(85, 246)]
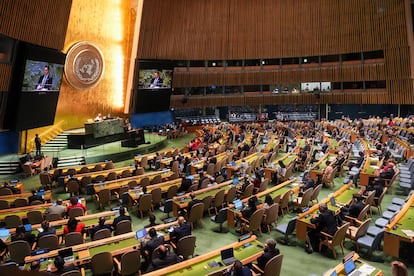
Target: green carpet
[(296, 261)]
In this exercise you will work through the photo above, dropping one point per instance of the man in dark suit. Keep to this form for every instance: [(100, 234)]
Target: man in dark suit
[(193, 202), (325, 222), (122, 216), (156, 81), (35, 196), (183, 229), (148, 245), (165, 259), (356, 206), (185, 184), (270, 251), (101, 225), (45, 82), (307, 183)]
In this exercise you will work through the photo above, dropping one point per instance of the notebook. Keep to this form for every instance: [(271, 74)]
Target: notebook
[(28, 227), (227, 256), (4, 234), (238, 204), (235, 181), (67, 254), (141, 233), (334, 203)]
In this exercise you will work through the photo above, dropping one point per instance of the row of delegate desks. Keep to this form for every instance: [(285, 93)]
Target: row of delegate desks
[(199, 164), (400, 230), (77, 168), (90, 221), (16, 185), (279, 190), (117, 245), (11, 198), (342, 196), (340, 270), (246, 251), (152, 156), (181, 202), (319, 166), (233, 167), (22, 211), (118, 183), (371, 165), (105, 173)]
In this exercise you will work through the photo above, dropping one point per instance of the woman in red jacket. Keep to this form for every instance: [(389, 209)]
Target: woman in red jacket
[(73, 226)]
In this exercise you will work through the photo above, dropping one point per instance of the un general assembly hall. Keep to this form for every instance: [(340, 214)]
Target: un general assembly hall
[(207, 137)]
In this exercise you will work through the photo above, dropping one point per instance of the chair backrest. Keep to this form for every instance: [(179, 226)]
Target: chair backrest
[(71, 171), (172, 191), (126, 173), (196, 212), (284, 202), (156, 196), (102, 263), (108, 165), (111, 176), (248, 191), (175, 167), (306, 197), (133, 183), (370, 198), (104, 197), (273, 266), (36, 202), (231, 195), (168, 205), (381, 197), (362, 215), (130, 262), (207, 202), (315, 192), (263, 185), (204, 183), (362, 229), (73, 186), (145, 202), (99, 178), (144, 162), (53, 217), (74, 272), (122, 227), (221, 217), (339, 235), (219, 198), (145, 181), (157, 179), (291, 226), (139, 171), (186, 246), (5, 191), (20, 202), (102, 234), (12, 221), (19, 250), (49, 241), (73, 238), (271, 214), (219, 179), (35, 217), (86, 180), (256, 219), (84, 170), (210, 168), (76, 212), (4, 204)]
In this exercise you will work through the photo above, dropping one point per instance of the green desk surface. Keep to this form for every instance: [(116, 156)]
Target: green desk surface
[(202, 195), (21, 214), (405, 223), (275, 193), (346, 196), (203, 268)]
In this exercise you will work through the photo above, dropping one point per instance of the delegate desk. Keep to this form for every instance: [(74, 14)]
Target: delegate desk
[(22, 211), (342, 196), (118, 183), (78, 168), (165, 162), (104, 173), (250, 159), (360, 265), (13, 184), (181, 202), (90, 221), (152, 156), (372, 164), (246, 251), (105, 128), (287, 159), (319, 166), (116, 245), (197, 165), (275, 191), (400, 230), (11, 198)]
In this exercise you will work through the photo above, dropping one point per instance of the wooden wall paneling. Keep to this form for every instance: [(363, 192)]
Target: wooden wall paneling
[(5, 76)]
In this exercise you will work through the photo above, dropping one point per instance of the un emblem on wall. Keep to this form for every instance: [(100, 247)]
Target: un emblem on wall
[(84, 65)]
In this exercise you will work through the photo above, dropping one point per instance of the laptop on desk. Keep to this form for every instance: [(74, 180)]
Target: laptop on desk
[(238, 204), (141, 233), (334, 203), (227, 256), (350, 268)]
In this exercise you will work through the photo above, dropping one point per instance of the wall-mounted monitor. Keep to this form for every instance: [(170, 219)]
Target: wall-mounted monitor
[(34, 91), (152, 89)]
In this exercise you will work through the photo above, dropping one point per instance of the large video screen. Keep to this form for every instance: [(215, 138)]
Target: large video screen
[(42, 76), (34, 92), (152, 90)]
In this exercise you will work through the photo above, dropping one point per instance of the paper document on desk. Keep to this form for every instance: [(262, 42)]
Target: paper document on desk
[(408, 232), (366, 269)]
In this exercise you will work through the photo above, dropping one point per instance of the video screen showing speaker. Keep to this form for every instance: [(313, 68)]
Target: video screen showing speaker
[(152, 86), (34, 93)]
